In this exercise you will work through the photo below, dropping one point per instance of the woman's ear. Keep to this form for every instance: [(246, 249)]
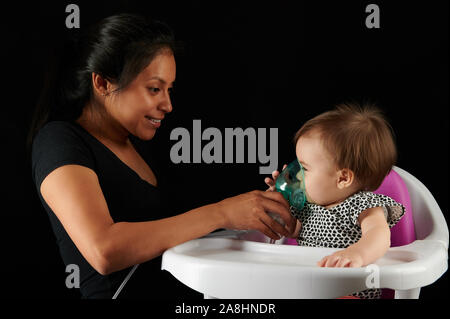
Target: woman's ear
[(345, 178), (100, 85)]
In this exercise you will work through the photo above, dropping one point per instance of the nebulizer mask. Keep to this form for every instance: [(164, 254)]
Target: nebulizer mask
[(291, 184)]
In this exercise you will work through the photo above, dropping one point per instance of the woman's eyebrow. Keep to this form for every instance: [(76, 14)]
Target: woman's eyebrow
[(158, 78)]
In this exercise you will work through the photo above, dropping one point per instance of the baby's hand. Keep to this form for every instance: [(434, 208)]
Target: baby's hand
[(271, 182), (343, 258)]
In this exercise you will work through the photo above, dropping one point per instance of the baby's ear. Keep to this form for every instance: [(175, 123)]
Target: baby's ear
[(345, 178)]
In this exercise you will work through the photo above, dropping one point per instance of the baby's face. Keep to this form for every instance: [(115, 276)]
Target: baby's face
[(321, 173)]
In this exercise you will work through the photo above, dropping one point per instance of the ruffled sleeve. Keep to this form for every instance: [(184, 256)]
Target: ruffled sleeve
[(361, 201)]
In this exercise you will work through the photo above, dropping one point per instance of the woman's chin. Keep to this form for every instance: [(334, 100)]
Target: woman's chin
[(146, 135)]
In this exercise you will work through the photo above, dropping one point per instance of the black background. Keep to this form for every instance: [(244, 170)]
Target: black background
[(254, 65)]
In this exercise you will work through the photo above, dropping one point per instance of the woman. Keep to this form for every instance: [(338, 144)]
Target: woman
[(97, 181)]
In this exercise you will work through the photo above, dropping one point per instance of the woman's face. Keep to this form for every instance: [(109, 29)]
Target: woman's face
[(320, 170), (143, 104)]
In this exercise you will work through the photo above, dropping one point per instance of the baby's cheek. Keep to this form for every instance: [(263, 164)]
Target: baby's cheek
[(311, 193), (316, 193)]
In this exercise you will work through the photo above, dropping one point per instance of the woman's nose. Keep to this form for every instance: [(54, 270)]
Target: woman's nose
[(166, 105)]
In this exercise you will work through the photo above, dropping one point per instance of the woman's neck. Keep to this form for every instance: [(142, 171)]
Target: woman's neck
[(103, 127)]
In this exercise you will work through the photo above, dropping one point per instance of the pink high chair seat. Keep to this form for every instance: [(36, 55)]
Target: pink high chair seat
[(393, 186), (403, 232)]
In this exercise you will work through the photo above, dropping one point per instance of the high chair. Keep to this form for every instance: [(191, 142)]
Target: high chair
[(242, 264)]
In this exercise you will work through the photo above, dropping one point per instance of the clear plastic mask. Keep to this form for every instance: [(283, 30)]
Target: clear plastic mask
[(291, 183)]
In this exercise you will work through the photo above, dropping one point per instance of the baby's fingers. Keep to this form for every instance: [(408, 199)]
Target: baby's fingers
[(275, 175), (269, 182), (322, 262), (343, 262), (328, 261)]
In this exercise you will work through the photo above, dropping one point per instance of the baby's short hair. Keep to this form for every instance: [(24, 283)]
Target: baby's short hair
[(359, 138)]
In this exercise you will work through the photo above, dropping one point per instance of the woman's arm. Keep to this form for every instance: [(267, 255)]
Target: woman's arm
[(73, 193), (374, 242)]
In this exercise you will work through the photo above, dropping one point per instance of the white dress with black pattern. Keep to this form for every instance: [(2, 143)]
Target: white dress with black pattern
[(338, 227)]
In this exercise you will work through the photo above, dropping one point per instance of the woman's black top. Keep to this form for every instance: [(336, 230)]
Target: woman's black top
[(129, 199)]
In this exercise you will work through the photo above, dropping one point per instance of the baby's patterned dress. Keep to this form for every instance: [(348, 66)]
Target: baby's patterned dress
[(338, 227)]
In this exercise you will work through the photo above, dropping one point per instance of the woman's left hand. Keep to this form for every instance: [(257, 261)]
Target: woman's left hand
[(343, 258)]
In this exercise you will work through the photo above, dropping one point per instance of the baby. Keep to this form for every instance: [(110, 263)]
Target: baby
[(346, 153)]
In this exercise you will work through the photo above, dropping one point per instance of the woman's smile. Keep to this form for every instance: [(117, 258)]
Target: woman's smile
[(153, 122)]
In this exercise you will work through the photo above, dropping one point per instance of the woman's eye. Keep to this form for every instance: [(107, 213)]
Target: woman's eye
[(154, 90)]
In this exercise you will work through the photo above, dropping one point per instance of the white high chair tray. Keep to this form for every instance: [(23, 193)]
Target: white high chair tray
[(228, 266)]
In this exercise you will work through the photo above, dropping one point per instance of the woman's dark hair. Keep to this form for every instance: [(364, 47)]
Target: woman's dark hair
[(117, 48)]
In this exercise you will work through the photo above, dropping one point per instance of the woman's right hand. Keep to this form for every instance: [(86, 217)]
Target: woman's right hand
[(250, 211)]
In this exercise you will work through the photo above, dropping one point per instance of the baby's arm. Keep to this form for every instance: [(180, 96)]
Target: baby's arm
[(374, 242)]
